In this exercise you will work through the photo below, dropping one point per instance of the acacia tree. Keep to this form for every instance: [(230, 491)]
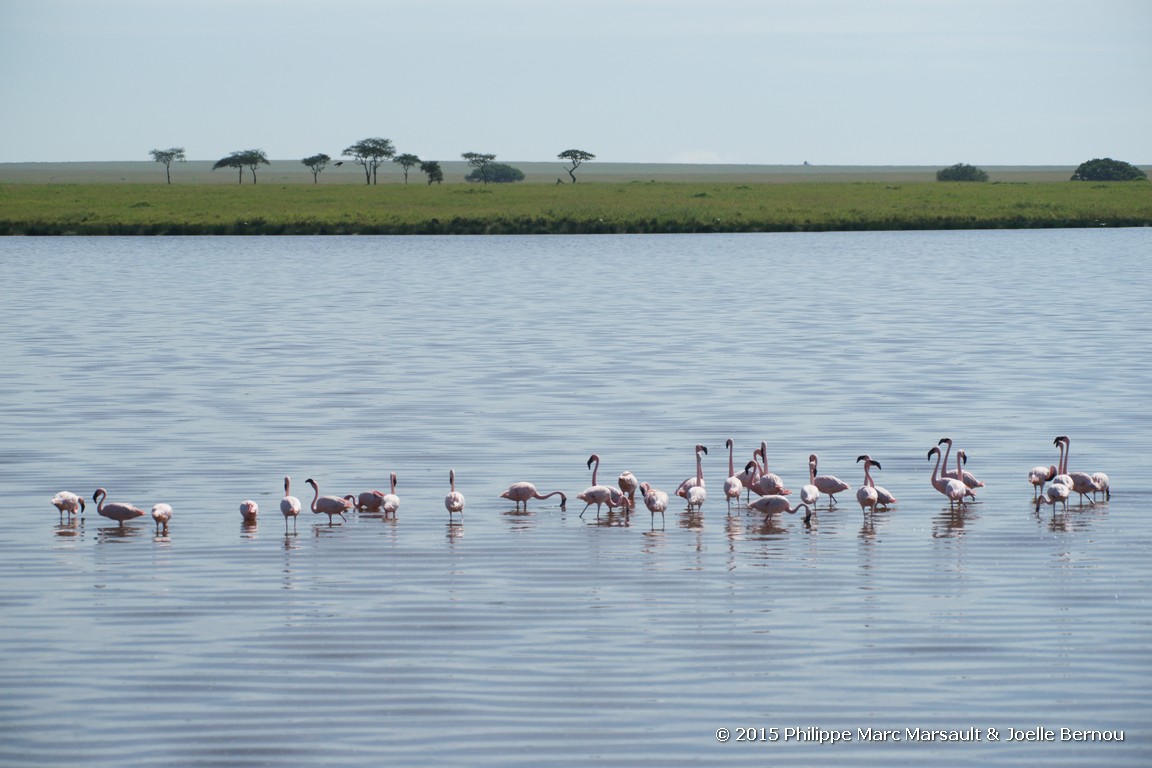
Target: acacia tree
[(480, 162), (370, 153), (961, 172), (432, 168), (167, 157), (245, 158), (575, 156), (1107, 169), (406, 161), (316, 163)]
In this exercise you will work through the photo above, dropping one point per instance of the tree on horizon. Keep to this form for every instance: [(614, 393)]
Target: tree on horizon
[(241, 159), (406, 161), (167, 157), (576, 157), (370, 153), (316, 163), (479, 161)]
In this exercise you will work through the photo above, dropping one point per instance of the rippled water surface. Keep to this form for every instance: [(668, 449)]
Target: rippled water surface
[(201, 371)]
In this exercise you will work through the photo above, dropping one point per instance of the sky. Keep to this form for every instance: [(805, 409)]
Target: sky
[(830, 82)]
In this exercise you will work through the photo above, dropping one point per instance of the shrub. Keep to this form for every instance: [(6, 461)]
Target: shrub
[(497, 173), (1107, 169), (961, 172)]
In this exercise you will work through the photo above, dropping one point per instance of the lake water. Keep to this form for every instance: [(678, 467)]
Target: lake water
[(201, 371)]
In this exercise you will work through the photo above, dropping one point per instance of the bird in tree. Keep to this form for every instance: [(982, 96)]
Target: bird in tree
[(406, 161), (168, 156), (576, 157), (316, 163)]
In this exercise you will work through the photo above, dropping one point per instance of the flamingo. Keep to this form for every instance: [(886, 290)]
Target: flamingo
[(599, 494), (1082, 482), (883, 496), (329, 505), (829, 485), (697, 494), (522, 492), (748, 476), (628, 484), (655, 500), (1054, 494), (121, 513), (768, 484), (249, 510), (866, 494), (682, 489), (809, 493), (66, 501), (369, 501), (391, 500), (775, 504), (289, 505), (162, 513), (968, 478), (732, 484), (1037, 476), (1102, 482), (1061, 477), (454, 501), (954, 489)]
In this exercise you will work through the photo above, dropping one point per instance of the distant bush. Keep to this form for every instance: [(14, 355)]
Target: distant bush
[(496, 173), (961, 172), (1107, 169)]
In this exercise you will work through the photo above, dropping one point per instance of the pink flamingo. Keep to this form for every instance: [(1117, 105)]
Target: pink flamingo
[(655, 500), (289, 505), (454, 501), (960, 474), (829, 485), (682, 489), (522, 492), (883, 497), (1040, 475), (391, 500), (369, 501), (66, 501), (767, 483), (121, 513), (1082, 482), (732, 484), (1054, 494), (1103, 486), (162, 513), (775, 504), (599, 494), (249, 510), (696, 495), (329, 505), (954, 489), (866, 494), (749, 475), (628, 484)]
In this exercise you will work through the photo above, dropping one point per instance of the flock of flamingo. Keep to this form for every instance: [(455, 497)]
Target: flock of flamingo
[(957, 485)]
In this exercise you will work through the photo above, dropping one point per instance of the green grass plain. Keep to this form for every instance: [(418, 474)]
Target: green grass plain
[(120, 201)]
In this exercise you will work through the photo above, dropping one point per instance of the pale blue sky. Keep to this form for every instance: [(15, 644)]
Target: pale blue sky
[(833, 82)]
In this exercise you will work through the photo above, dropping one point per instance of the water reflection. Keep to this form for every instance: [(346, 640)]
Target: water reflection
[(951, 522), (116, 533)]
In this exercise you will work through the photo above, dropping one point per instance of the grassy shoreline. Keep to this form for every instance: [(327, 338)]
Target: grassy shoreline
[(616, 207)]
